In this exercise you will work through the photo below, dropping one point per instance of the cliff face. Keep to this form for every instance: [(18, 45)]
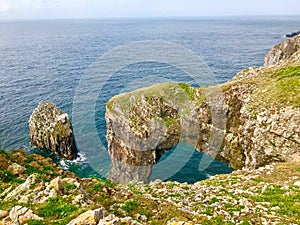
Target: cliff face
[(143, 124), (283, 51), (262, 108), (263, 118)]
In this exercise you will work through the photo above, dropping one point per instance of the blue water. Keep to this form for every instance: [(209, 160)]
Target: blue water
[(45, 60)]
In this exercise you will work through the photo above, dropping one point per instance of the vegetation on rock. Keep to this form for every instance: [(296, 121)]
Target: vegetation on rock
[(268, 194)]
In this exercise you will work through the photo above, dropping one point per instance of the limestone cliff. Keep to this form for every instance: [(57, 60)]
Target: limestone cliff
[(51, 130), (261, 108), (283, 51)]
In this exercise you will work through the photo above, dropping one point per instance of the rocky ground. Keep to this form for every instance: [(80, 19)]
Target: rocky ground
[(33, 190)]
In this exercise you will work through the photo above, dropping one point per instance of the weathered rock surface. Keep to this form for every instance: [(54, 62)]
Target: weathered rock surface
[(16, 169), (30, 192), (19, 215), (24, 191), (114, 220), (3, 214), (145, 123), (51, 130), (254, 123), (91, 217), (281, 52), (124, 172)]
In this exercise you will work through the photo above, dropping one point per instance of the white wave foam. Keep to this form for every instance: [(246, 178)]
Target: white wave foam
[(65, 164), (81, 158)]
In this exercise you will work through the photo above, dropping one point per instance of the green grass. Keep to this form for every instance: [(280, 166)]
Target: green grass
[(258, 179), (108, 183), (3, 152), (7, 176), (29, 159), (189, 90), (131, 206), (281, 87), (56, 208), (164, 92), (292, 71), (213, 200), (69, 187), (98, 187), (36, 222), (287, 202)]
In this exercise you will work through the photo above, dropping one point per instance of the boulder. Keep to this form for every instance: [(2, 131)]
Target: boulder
[(16, 169), (91, 217), (51, 130), (57, 185), (21, 192)]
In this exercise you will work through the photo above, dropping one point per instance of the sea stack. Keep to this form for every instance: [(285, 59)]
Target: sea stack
[(51, 130)]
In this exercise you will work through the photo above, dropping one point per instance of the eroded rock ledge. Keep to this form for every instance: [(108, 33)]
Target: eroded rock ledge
[(261, 108)]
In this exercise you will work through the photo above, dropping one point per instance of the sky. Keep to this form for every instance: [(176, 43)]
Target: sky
[(54, 9)]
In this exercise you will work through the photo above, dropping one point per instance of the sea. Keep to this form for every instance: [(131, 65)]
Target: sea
[(50, 60)]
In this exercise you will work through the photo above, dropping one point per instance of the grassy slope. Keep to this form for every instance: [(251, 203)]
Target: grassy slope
[(274, 86)]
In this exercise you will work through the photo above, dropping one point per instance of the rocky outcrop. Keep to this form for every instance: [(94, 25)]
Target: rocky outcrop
[(255, 123), (145, 123), (91, 217), (281, 52), (23, 192), (19, 215), (16, 169), (51, 130), (30, 192)]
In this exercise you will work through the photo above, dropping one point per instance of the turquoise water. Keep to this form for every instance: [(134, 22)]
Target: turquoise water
[(46, 60)]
